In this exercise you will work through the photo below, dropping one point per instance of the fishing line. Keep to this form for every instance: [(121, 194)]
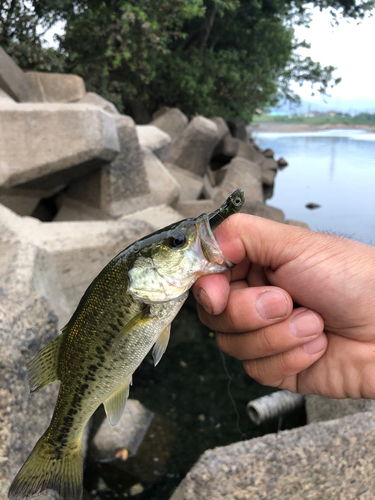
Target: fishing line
[(229, 391)]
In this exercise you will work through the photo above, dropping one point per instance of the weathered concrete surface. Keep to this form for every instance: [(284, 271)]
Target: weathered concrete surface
[(55, 87), (172, 121), (269, 171), (59, 260), (238, 129), (320, 409), (193, 149), (157, 217), (27, 323), (297, 223), (325, 461), (15, 82), (222, 127), (21, 201), (163, 186), (191, 184), (196, 207), (5, 97), (97, 100), (154, 139), (263, 210), (121, 186), (124, 439), (45, 145), (238, 173)]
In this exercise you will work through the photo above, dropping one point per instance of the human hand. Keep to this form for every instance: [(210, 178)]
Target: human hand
[(325, 344)]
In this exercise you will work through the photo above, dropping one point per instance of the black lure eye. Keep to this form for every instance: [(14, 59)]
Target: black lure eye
[(177, 240), (237, 201)]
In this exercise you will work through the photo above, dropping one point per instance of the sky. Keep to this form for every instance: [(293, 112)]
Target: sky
[(348, 47)]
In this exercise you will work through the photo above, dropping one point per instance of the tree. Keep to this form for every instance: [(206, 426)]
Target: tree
[(225, 57)]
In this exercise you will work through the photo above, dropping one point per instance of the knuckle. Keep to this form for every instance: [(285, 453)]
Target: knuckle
[(224, 342)]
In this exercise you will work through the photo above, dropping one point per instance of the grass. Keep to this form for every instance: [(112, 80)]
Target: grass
[(360, 119)]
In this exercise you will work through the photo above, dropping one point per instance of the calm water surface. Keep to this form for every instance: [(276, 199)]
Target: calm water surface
[(333, 168)]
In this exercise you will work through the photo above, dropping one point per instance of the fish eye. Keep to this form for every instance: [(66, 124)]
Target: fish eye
[(177, 240), (237, 201)]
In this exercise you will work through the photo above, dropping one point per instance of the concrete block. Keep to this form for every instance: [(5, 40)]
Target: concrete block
[(156, 217), (222, 127), (171, 120), (196, 207), (193, 149), (5, 97), (111, 443), (225, 150), (263, 210), (238, 129), (154, 139), (297, 223), (14, 81), (163, 186), (239, 173), (249, 152), (121, 186), (269, 171), (320, 409), (43, 146), (321, 461), (21, 201), (191, 184), (97, 100), (55, 87)]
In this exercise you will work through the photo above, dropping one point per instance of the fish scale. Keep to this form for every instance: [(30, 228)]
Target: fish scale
[(126, 310)]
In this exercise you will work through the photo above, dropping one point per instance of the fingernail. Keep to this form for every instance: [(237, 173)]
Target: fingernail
[(304, 324), (204, 300), (315, 345), (271, 304)]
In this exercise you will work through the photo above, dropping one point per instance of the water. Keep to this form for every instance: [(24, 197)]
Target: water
[(333, 168)]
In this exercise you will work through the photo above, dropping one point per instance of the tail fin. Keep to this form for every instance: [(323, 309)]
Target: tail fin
[(49, 469)]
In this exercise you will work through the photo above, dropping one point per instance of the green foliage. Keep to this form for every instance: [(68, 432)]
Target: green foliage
[(212, 57), (320, 119)]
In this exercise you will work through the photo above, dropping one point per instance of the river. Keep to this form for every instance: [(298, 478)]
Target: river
[(332, 168)]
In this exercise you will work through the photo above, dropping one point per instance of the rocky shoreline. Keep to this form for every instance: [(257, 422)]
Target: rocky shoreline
[(78, 183)]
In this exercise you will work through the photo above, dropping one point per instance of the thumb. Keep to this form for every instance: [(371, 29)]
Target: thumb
[(267, 243)]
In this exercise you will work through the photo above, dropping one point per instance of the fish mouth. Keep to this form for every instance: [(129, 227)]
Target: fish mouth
[(209, 246)]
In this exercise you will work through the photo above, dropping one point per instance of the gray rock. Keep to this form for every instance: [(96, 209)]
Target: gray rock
[(195, 207), (222, 127), (193, 149), (269, 171), (297, 223), (171, 120), (320, 409), (318, 462), (163, 186), (191, 184), (121, 186), (239, 173), (5, 97), (21, 201), (238, 129), (27, 323), (263, 210), (54, 87), (97, 100), (154, 139), (156, 217), (282, 163), (249, 152), (269, 153), (225, 150), (124, 439), (43, 146), (14, 81)]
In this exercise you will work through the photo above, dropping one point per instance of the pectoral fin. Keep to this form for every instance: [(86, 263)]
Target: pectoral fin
[(161, 344), (114, 406), (43, 369)]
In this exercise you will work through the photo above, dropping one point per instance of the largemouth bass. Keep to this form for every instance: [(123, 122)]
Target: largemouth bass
[(127, 310)]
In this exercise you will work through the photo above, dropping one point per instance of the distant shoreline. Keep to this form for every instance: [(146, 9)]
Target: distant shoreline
[(304, 127)]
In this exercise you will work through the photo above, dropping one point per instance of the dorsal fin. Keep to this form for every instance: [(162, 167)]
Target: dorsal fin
[(114, 406), (43, 369)]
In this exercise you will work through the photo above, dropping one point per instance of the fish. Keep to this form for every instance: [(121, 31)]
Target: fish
[(126, 310)]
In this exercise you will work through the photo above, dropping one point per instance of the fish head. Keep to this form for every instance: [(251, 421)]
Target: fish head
[(171, 260)]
